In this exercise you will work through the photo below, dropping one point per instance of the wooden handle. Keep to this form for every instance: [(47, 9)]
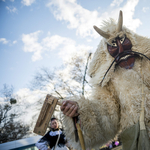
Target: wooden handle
[(50, 100), (59, 103), (80, 136), (45, 115), (81, 139)]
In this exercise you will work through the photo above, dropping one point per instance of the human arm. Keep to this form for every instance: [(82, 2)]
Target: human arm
[(98, 117)]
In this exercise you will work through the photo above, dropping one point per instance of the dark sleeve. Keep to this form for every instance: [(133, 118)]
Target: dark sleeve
[(62, 139), (46, 138), (43, 142)]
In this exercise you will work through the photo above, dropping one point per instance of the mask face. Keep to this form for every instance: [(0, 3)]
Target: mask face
[(118, 48)]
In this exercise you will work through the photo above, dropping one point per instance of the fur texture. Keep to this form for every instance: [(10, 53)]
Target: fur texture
[(115, 105)]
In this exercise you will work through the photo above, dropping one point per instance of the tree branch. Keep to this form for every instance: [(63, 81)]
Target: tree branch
[(85, 73)]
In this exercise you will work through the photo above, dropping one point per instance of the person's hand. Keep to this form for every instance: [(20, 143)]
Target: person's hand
[(69, 108)]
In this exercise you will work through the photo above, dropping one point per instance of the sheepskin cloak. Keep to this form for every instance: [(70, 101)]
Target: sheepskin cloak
[(116, 104)]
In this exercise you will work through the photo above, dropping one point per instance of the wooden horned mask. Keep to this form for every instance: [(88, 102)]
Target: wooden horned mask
[(120, 47)]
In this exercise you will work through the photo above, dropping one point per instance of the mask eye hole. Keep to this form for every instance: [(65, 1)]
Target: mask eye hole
[(122, 39), (114, 43)]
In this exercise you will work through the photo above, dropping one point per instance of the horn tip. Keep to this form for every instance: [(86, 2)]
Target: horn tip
[(120, 12), (94, 26)]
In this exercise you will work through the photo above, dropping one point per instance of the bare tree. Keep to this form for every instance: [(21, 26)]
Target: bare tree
[(84, 77), (10, 127), (68, 80), (62, 84)]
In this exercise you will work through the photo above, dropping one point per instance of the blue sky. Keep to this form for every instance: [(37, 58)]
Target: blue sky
[(45, 33)]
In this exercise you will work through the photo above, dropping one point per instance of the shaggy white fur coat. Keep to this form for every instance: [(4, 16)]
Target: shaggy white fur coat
[(116, 104)]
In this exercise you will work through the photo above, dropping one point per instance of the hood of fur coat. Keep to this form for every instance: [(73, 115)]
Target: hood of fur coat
[(102, 60)]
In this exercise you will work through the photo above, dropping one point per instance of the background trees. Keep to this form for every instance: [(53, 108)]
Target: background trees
[(11, 128), (68, 80)]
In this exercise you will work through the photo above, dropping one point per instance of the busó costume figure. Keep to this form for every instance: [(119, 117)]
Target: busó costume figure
[(119, 68)]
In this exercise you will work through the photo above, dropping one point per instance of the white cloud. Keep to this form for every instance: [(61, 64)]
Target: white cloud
[(3, 40), (71, 56), (55, 41), (1, 100), (14, 42), (27, 2), (76, 16), (68, 50), (11, 9), (29, 96), (145, 9), (12, 0), (128, 14), (64, 46), (31, 45), (116, 3), (82, 19), (28, 103)]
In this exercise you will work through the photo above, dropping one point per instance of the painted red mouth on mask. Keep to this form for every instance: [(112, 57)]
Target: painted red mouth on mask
[(126, 62)]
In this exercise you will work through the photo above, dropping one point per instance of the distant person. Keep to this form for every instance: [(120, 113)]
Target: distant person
[(53, 139)]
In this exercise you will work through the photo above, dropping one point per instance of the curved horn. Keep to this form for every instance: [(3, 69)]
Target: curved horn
[(102, 33), (120, 22)]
